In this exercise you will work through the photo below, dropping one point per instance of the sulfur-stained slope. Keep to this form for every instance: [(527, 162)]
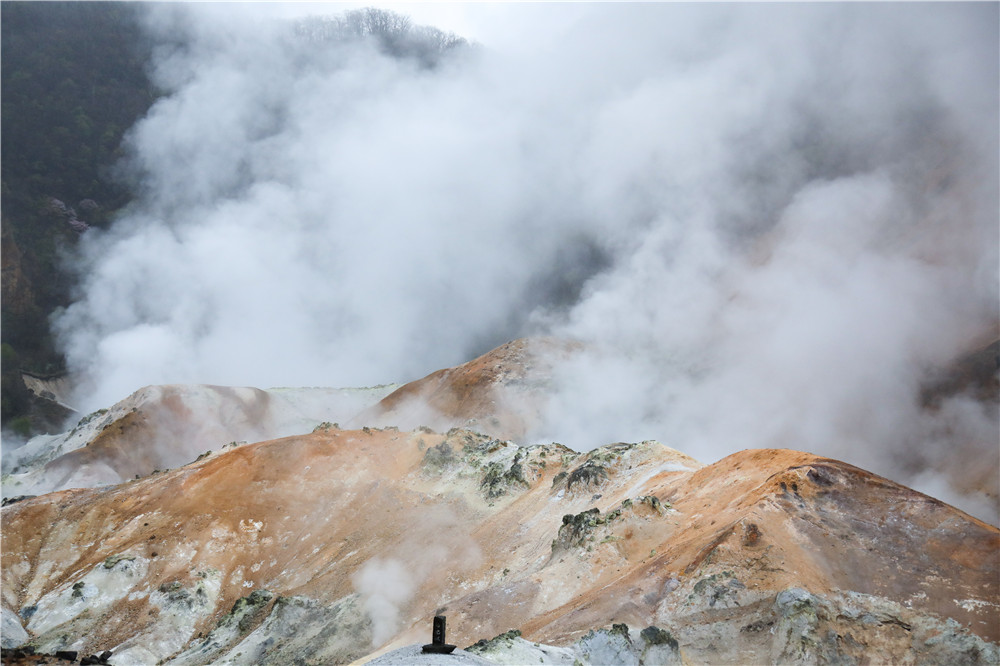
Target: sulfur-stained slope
[(331, 545), (159, 427), (501, 392), (783, 519)]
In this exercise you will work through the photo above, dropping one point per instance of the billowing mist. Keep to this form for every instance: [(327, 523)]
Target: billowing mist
[(768, 222)]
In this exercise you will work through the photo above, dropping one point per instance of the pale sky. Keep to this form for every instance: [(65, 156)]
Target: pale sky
[(503, 25)]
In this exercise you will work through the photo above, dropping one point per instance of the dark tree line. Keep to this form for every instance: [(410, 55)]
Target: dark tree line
[(73, 81)]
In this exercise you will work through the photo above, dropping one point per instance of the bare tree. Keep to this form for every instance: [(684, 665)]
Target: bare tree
[(394, 33)]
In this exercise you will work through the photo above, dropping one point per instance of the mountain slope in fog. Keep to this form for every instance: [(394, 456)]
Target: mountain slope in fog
[(503, 392), (159, 427), (506, 392), (339, 544)]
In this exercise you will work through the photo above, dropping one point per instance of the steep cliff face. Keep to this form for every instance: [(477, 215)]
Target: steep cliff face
[(334, 544)]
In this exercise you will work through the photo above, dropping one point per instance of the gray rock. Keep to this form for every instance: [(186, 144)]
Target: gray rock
[(303, 629), (11, 630), (231, 627)]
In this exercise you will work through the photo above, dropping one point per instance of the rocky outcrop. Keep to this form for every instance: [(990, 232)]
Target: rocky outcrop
[(615, 645)]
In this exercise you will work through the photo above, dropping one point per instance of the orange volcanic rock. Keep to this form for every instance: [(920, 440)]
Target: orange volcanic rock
[(328, 546), (501, 392)]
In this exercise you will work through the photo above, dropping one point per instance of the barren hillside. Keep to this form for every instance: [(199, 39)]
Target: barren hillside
[(341, 544), (337, 543)]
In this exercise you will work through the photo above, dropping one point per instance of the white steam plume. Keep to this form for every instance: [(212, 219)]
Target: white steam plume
[(385, 586), (768, 220), (433, 552)]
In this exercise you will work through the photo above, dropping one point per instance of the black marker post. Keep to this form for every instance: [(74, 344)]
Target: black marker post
[(437, 644)]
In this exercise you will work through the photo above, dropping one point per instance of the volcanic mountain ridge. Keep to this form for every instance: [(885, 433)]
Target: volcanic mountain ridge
[(341, 544)]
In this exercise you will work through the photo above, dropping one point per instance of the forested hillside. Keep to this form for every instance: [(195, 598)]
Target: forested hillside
[(73, 82)]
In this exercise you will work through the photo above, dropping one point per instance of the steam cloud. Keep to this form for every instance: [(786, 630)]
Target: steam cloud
[(768, 221), (430, 553), (385, 585)]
